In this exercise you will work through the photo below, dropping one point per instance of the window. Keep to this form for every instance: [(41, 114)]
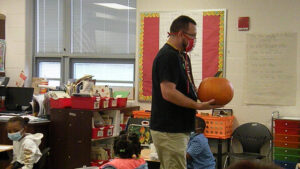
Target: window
[(49, 27), (101, 28), (50, 70), (79, 37), (106, 72)]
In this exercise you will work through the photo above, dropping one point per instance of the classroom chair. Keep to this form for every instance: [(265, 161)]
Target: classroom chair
[(252, 136)]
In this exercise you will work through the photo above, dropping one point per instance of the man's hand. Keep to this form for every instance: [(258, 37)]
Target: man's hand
[(207, 105), (9, 167)]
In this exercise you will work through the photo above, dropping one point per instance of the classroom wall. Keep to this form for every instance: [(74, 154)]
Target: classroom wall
[(266, 16), (18, 36)]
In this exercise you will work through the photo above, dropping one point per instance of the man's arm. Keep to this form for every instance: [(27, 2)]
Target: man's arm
[(171, 94)]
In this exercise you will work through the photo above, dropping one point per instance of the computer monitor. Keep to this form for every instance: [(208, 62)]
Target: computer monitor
[(16, 97)]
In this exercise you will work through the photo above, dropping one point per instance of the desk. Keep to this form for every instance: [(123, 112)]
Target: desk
[(152, 164), (4, 148)]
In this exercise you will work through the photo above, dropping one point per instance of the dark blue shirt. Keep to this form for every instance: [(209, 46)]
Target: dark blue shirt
[(199, 150)]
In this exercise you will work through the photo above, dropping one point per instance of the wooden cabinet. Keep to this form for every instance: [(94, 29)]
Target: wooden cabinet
[(71, 136)]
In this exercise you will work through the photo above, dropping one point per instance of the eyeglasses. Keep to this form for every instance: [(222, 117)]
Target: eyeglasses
[(191, 35)]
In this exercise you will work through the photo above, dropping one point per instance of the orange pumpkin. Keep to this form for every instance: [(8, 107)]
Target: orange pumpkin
[(216, 88)]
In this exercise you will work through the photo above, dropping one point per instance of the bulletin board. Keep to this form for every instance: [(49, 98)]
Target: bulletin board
[(207, 57)]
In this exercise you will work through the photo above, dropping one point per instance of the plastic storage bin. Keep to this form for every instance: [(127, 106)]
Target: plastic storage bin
[(285, 164), (121, 102), (112, 102), (142, 114), (287, 123), (217, 127), (287, 151), (289, 138), (89, 103), (102, 132), (60, 103), (288, 158), (287, 144), (288, 131), (104, 102)]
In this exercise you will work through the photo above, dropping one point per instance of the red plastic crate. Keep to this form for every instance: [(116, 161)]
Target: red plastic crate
[(287, 123), (60, 103), (288, 131), (104, 102), (112, 102), (122, 127), (121, 102), (89, 103), (102, 132), (98, 163), (287, 144), (289, 138)]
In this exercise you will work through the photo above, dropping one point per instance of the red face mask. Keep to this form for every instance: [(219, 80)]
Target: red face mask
[(190, 45)]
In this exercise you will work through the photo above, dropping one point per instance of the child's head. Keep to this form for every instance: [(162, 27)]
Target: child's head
[(199, 125), (16, 127), (127, 146)]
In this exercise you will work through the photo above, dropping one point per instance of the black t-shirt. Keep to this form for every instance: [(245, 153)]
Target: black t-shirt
[(169, 65)]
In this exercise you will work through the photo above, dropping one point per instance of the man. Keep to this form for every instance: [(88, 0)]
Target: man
[(174, 98)]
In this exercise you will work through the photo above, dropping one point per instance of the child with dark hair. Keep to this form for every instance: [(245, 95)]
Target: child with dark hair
[(199, 155), (127, 148), (26, 150)]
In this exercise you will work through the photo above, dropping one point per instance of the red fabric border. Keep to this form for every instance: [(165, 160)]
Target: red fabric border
[(210, 47), (151, 47)]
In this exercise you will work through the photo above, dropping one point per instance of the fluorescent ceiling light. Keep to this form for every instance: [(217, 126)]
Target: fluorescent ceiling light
[(114, 5)]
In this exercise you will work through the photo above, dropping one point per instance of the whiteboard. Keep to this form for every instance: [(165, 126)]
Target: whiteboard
[(271, 69)]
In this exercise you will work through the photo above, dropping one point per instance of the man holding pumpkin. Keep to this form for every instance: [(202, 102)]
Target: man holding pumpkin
[(174, 98)]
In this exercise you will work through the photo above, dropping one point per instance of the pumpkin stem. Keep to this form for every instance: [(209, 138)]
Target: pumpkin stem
[(219, 74)]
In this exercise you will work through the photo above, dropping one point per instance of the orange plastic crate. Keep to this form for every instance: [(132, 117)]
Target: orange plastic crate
[(141, 114), (217, 127)]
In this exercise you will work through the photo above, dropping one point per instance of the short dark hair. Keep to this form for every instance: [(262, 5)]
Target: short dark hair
[(181, 23), (200, 123), (22, 121), (127, 145)]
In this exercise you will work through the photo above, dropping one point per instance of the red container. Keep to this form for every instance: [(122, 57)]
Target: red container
[(112, 102), (60, 103), (287, 144), (98, 163), (104, 102), (287, 123), (289, 138), (102, 132), (90, 103), (288, 131), (122, 127), (121, 102)]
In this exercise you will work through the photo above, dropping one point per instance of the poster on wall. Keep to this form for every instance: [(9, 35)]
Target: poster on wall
[(207, 57), (2, 55), (271, 66)]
